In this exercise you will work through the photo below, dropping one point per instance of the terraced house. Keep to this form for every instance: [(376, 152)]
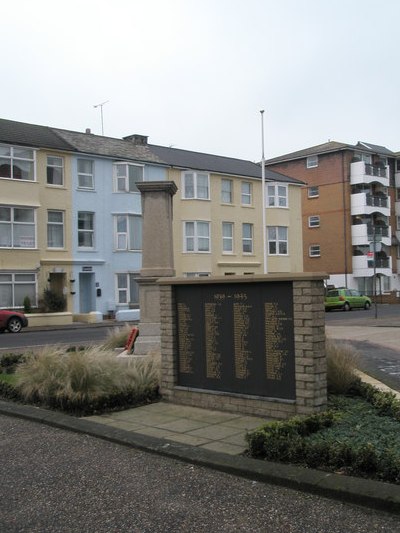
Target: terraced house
[(351, 213), (71, 216)]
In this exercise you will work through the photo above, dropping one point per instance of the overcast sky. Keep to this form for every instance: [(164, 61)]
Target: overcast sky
[(195, 74)]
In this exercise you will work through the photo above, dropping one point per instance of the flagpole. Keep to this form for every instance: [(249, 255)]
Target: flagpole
[(264, 232)]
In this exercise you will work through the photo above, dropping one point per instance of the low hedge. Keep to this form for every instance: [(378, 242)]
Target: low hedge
[(357, 436)]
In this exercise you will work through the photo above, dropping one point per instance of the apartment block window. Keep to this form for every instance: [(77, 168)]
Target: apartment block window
[(313, 221), (277, 240), (128, 232), (398, 194), (85, 174), (312, 161), (127, 288), (17, 227), (196, 236), (55, 170), (246, 193), (277, 195), (247, 238), (15, 287), (17, 163), (85, 229), (227, 237), (226, 191), (55, 229), (313, 192), (398, 223), (314, 250), (195, 186), (126, 176)]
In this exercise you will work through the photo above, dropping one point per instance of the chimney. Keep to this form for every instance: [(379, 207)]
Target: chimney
[(138, 140), (88, 130)]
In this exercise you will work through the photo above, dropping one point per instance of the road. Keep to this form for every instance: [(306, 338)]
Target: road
[(61, 482), (34, 338)]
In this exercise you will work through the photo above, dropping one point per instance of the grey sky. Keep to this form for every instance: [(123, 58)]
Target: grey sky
[(195, 73)]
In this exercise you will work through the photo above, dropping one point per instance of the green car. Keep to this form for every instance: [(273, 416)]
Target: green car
[(346, 299)]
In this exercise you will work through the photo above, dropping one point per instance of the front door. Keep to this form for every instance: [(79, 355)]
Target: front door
[(87, 292)]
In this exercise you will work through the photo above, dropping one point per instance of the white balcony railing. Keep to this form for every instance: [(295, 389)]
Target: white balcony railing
[(363, 266), (363, 234), (365, 204), (361, 172)]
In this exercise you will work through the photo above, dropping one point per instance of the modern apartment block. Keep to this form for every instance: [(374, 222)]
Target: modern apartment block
[(70, 216), (351, 208)]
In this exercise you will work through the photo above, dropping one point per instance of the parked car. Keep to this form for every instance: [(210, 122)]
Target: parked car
[(14, 321), (346, 299)]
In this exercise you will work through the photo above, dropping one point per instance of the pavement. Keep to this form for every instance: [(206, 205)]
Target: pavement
[(217, 439)]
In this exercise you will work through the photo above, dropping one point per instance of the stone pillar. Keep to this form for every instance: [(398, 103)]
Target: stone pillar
[(157, 259)]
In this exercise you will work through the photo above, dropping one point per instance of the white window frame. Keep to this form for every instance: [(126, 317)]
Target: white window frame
[(89, 176), (226, 194), (314, 221), (313, 191), (246, 239), (13, 280), (14, 228), (246, 197), (54, 166), (277, 195), (314, 250), (55, 225), (193, 191), (127, 288), (193, 241), (122, 182), (14, 159), (227, 240), (87, 231), (398, 222), (124, 240), (278, 240), (312, 161)]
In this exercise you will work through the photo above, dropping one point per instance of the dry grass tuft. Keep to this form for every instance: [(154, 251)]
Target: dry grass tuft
[(342, 363), (117, 337)]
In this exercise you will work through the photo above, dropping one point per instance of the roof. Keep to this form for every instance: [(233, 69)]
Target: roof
[(31, 135), (88, 143), (332, 146), (187, 159), (125, 149)]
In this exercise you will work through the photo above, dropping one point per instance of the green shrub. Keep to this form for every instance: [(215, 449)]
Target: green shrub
[(386, 403), (342, 361), (87, 381), (117, 337), (27, 305), (53, 302), (9, 362)]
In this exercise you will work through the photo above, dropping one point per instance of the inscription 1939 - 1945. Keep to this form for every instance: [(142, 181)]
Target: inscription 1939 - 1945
[(237, 338)]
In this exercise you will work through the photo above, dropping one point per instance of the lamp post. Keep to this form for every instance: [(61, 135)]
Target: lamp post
[(264, 232), (374, 276)]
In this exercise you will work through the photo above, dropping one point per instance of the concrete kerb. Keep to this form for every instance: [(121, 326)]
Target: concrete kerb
[(365, 492)]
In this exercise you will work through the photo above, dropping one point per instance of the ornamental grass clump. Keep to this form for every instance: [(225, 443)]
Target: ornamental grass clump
[(117, 337), (87, 381), (342, 363)]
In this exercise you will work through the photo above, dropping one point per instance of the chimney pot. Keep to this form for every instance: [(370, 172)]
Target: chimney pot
[(88, 130)]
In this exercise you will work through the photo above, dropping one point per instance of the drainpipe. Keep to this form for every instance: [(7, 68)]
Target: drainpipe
[(344, 218)]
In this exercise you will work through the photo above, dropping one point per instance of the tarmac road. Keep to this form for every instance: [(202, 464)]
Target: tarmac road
[(62, 482)]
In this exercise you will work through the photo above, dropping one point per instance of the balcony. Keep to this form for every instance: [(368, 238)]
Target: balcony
[(363, 234), (361, 172), (397, 179), (363, 203), (363, 266)]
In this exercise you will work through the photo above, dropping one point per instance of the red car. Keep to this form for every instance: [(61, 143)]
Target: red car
[(14, 321)]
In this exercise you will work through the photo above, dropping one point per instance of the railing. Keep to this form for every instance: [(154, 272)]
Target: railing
[(379, 263), (370, 170), (380, 231), (377, 201)]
